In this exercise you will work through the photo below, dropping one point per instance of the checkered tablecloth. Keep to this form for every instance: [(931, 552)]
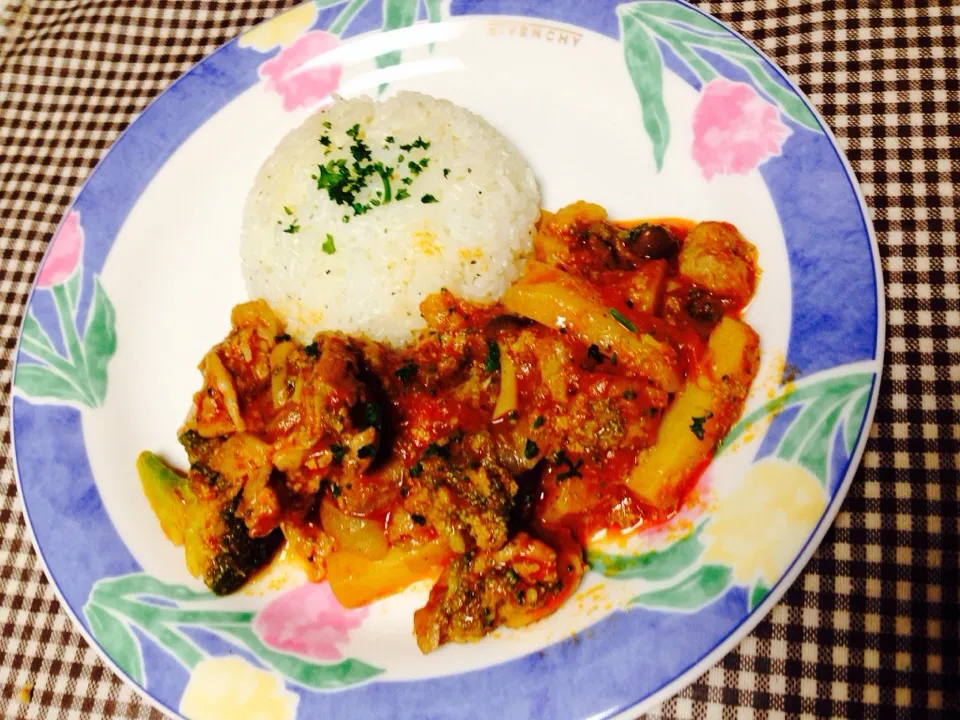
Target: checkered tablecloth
[(870, 629)]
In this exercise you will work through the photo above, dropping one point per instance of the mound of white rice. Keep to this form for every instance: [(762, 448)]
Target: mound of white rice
[(466, 223)]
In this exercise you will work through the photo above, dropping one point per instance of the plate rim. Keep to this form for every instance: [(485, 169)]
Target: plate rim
[(736, 634)]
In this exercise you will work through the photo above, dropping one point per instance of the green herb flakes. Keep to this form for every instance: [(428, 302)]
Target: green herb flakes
[(697, 425), (622, 320), (328, 247), (573, 468), (492, 361), (530, 450), (405, 372), (347, 180), (428, 199)]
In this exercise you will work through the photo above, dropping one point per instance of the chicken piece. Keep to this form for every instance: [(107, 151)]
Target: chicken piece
[(460, 490), (515, 585), (716, 257)]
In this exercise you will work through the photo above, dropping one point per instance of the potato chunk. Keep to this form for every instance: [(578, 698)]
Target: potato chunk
[(700, 416), (559, 300)]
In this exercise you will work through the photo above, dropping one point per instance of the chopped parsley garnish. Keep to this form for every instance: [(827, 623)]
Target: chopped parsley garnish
[(292, 228), (434, 450), (418, 143), (282, 337), (335, 490), (311, 350), (539, 421), (405, 372), (446, 172), (622, 320), (287, 210), (696, 425), (629, 394), (327, 125), (402, 194), (416, 470), (347, 180), (384, 173), (593, 352), (338, 451), (371, 413), (367, 451), (328, 247), (428, 199), (530, 450), (573, 468), (492, 361), (361, 152)]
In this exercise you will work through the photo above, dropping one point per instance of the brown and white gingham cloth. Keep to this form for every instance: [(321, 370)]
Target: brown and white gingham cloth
[(870, 629)]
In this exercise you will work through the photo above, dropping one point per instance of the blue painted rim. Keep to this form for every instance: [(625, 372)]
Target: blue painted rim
[(602, 683)]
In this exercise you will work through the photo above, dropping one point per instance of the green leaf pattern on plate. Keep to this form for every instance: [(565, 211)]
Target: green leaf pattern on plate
[(757, 593), (164, 612), (399, 14), (116, 639), (646, 71), (697, 41), (80, 377), (830, 404)]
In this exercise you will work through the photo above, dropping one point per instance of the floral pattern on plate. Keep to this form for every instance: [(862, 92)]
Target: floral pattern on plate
[(297, 650)]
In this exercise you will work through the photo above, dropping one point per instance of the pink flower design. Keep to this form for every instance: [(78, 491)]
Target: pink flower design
[(734, 129), (298, 86), (64, 252), (307, 621)]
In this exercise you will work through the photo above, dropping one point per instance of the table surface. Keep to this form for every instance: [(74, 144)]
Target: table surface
[(871, 627)]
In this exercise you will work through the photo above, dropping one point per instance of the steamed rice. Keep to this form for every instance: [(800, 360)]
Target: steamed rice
[(472, 240)]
